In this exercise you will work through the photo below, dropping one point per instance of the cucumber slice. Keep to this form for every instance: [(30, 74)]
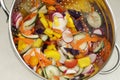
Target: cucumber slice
[(79, 36), (43, 37), (30, 36), (30, 23), (94, 19), (62, 68), (43, 9), (99, 47), (63, 78), (79, 72), (29, 27), (44, 73), (83, 46), (52, 71)]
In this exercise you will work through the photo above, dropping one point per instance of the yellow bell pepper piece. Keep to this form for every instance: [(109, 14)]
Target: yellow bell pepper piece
[(48, 32), (50, 23), (56, 21), (70, 22), (53, 38), (43, 20), (52, 54), (21, 45), (57, 34), (51, 47), (37, 43), (84, 62)]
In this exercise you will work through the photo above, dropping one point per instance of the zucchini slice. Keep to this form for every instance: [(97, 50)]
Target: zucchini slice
[(52, 71), (99, 47), (30, 36), (94, 19)]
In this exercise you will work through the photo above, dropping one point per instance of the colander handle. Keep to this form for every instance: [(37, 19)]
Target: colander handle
[(5, 9), (116, 65)]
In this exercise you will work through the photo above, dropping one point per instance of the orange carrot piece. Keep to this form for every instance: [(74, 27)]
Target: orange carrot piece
[(27, 41), (51, 2), (58, 63), (27, 57)]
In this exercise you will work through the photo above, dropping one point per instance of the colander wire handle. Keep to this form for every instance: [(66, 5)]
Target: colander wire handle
[(116, 65), (5, 9)]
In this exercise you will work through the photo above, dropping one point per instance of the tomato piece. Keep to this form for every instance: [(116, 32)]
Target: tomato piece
[(70, 63)]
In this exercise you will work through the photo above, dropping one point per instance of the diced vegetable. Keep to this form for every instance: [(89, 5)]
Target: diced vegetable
[(79, 72), (33, 61), (78, 25), (28, 27), (88, 69), (30, 36), (59, 22), (30, 20), (23, 47), (98, 32), (38, 43), (51, 2), (44, 37), (72, 51), (98, 46), (57, 14), (83, 46), (51, 47), (52, 71), (70, 71), (63, 57), (43, 20), (18, 22), (53, 54), (67, 36), (76, 68), (84, 62), (40, 72), (79, 36), (63, 68), (43, 9), (93, 57), (74, 13), (94, 19), (69, 56), (71, 63), (63, 78)]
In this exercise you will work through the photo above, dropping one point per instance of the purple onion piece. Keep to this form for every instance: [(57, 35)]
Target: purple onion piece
[(15, 16), (74, 13), (39, 31), (72, 51), (78, 25)]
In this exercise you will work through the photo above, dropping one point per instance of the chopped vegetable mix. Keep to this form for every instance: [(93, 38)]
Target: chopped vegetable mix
[(59, 42)]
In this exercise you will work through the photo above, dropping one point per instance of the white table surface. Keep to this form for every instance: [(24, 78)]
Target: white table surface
[(12, 69)]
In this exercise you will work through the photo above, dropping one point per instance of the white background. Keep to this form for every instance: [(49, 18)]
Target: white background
[(12, 69)]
